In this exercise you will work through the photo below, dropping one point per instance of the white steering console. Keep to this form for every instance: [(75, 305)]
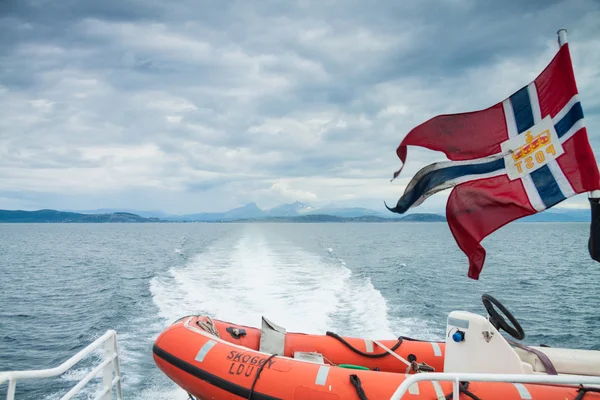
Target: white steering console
[(473, 344)]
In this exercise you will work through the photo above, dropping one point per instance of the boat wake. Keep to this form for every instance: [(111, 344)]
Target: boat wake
[(240, 279)]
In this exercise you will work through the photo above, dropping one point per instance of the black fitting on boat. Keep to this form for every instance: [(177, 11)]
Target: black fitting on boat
[(594, 242), (236, 333), (368, 355)]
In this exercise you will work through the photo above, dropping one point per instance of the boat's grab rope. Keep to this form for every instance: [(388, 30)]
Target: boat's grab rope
[(411, 363), (355, 381), (208, 326), (258, 375), (462, 388), (582, 391), (368, 355)]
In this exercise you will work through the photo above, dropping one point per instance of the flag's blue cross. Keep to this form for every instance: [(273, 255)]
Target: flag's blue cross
[(448, 175)]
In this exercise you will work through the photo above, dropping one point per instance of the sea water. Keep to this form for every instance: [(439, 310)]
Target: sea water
[(63, 285)]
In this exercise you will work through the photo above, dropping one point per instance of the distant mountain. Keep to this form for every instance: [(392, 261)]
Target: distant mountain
[(53, 216), (288, 210), (250, 210), (349, 212), (424, 217), (141, 213), (296, 209), (334, 218), (293, 212), (560, 215)]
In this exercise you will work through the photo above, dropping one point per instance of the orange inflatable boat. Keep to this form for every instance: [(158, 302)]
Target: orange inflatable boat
[(213, 359)]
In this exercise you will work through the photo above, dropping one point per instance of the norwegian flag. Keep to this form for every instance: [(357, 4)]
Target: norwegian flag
[(516, 158)]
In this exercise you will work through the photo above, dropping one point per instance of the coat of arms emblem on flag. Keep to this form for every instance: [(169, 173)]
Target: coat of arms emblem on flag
[(518, 157)]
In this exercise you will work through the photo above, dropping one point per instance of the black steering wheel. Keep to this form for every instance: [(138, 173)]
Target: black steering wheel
[(498, 320)]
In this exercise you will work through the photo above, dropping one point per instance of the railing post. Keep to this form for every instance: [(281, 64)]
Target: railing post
[(109, 353), (117, 368), (456, 389), (12, 387)]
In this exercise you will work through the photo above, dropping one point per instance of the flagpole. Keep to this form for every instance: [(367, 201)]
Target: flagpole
[(562, 36), (562, 39)]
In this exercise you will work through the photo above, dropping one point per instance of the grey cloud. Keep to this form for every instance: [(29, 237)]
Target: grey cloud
[(212, 96)]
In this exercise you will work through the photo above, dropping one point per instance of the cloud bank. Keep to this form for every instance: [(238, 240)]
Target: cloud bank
[(204, 106)]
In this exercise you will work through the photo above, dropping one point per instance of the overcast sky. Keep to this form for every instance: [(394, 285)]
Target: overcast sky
[(191, 106)]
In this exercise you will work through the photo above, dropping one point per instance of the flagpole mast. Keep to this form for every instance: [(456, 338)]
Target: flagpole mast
[(562, 36), (562, 39)]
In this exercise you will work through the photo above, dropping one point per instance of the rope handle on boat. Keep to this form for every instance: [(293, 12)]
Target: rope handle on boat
[(258, 375), (368, 355), (582, 391), (355, 381), (208, 326), (462, 388)]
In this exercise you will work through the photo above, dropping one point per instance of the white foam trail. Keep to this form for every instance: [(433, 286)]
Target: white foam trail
[(239, 280), (158, 392)]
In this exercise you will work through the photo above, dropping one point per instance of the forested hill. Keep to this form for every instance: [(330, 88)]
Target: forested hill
[(62, 216)]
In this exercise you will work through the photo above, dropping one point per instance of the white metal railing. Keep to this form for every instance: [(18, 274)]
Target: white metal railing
[(109, 365), (456, 378)]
